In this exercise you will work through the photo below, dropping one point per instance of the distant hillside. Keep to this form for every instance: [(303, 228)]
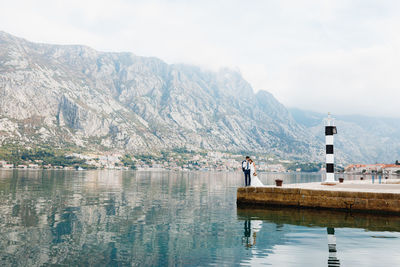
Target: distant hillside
[(76, 96), (360, 138)]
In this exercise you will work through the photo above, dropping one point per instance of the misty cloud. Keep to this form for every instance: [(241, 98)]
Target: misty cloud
[(337, 56)]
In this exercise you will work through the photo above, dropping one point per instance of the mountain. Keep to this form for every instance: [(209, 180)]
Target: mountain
[(72, 95), (360, 138), (75, 96)]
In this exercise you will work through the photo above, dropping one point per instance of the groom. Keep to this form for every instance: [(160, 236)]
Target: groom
[(246, 171)]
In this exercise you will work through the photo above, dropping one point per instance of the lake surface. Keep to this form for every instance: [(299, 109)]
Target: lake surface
[(126, 218)]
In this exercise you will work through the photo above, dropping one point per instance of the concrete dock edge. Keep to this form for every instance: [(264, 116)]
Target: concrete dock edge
[(373, 202)]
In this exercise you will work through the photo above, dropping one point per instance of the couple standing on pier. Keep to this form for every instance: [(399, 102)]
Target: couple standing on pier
[(250, 174)]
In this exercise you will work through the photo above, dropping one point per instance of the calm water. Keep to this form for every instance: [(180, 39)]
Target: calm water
[(111, 218)]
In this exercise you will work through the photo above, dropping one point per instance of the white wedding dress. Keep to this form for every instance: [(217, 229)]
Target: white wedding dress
[(254, 179)]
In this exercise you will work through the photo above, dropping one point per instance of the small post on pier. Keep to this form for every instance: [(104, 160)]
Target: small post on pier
[(330, 130)]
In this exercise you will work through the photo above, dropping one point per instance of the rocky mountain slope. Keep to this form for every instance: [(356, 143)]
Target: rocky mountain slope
[(76, 96)]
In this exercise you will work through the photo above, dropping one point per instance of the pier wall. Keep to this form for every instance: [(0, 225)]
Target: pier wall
[(376, 202)]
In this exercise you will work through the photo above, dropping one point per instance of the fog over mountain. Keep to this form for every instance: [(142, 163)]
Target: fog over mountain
[(72, 95)]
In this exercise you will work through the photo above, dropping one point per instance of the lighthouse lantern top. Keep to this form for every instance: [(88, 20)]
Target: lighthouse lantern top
[(330, 129)]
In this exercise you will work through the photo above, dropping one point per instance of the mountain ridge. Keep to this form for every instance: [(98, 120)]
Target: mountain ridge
[(71, 94)]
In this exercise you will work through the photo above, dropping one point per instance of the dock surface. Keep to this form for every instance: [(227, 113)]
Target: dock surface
[(351, 196)]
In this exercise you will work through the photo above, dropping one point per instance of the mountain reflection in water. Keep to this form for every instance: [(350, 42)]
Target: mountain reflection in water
[(124, 218)]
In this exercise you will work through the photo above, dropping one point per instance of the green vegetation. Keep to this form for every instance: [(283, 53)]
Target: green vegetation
[(128, 162), (39, 155), (305, 167), (182, 150), (147, 159), (47, 157), (182, 155)]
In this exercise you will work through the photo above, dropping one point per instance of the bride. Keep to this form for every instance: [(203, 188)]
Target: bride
[(254, 179)]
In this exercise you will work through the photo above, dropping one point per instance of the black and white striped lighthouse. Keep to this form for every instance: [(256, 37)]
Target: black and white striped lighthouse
[(330, 130)]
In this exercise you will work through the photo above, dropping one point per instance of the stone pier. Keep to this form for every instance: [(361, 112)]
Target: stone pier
[(360, 196)]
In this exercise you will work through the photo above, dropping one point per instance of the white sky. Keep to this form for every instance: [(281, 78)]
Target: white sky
[(340, 56)]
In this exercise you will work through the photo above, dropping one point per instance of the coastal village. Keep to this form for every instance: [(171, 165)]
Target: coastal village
[(373, 168), (211, 161)]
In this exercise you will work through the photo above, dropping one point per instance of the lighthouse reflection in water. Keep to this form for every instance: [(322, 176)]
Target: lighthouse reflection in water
[(114, 218)]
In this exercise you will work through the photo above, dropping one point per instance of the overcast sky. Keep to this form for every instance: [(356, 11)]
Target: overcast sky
[(337, 56)]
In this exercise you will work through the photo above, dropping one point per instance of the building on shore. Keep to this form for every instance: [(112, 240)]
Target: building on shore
[(391, 168), (371, 168), (7, 166)]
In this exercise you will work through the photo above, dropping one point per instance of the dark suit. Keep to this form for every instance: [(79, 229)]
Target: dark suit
[(246, 171), (247, 177)]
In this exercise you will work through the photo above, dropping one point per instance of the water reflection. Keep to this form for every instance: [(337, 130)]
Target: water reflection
[(308, 231), (251, 227), (333, 261), (322, 218), (116, 218)]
